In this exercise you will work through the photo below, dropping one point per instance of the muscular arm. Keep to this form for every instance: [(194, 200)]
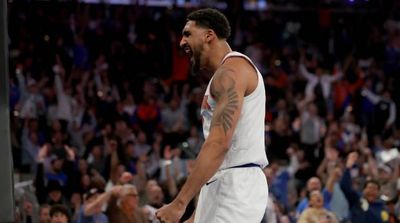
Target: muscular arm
[(228, 89)]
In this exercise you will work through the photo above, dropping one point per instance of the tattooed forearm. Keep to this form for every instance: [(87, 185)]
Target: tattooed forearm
[(226, 95)]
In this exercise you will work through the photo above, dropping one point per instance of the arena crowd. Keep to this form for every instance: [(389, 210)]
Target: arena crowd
[(105, 117)]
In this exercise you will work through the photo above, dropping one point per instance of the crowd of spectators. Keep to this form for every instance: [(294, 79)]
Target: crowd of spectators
[(105, 111)]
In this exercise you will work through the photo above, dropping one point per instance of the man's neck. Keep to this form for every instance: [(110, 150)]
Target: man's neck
[(219, 51)]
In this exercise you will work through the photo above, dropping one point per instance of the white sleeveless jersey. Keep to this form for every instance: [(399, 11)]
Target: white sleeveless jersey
[(248, 144)]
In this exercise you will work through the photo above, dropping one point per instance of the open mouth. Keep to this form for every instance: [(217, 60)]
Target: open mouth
[(188, 50), (319, 201)]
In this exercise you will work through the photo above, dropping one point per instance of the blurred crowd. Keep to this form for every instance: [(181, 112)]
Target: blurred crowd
[(105, 111)]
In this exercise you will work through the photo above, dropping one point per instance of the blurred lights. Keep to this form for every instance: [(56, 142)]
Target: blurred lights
[(352, 2), (255, 5), (100, 94)]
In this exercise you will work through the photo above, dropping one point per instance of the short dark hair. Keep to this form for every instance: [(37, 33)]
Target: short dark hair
[(372, 182), (59, 208), (308, 193), (212, 19)]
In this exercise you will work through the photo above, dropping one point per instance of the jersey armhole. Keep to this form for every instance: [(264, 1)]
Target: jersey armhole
[(249, 62)]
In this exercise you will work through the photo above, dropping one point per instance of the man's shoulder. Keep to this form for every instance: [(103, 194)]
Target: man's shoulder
[(239, 69), (239, 63)]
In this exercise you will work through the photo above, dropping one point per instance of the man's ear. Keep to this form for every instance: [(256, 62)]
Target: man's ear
[(210, 35)]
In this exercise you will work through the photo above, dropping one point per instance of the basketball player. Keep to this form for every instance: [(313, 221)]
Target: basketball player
[(228, 169)]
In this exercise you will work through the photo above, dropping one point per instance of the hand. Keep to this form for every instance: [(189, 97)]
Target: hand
[(170, 213), (57, 69), (125, 178), (167, 152), (116, 190), (70, 153), (351, 159), (43, 151), (337, 172)]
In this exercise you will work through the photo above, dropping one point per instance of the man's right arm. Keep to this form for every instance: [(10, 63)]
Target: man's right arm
[(346, 184), (91, 207), (371, 96), (228, 89), (304, 72), (39, 178)]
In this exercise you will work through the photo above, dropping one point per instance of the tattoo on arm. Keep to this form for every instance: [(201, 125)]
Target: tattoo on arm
[(226, 95)]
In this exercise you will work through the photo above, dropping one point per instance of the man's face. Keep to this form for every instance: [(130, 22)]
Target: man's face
[(312, 109), (57, 137), (55, 195), (131, 200), (156, 196), (316, 199), (28, 207), (59, 218), (371, 192), (82, 165), (57, 165), (384, 176), (192, 43), (44, 215), (314, 184)]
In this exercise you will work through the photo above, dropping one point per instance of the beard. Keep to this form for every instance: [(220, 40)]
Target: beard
[(195, 65), (195, 60)]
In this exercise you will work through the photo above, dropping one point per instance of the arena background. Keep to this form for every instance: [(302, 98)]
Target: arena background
[(135, 44)]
